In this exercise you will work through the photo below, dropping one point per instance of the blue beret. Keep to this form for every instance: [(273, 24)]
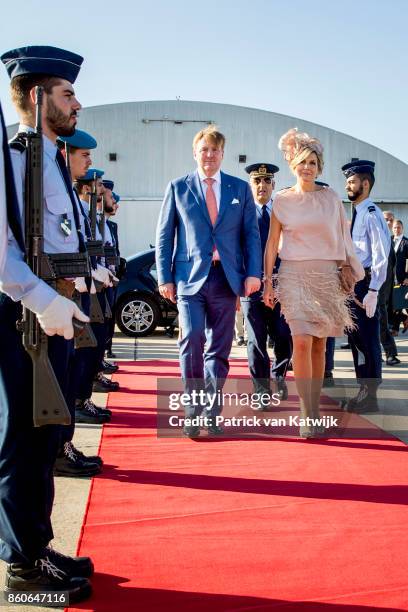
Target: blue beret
[(261, 169), (359, 166), (108, 184), (42, 60), (89, 176), (116, 197), (80, 140)]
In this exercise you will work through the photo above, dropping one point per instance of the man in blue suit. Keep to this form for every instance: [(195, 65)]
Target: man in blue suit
[(260, 320), (208, 252)]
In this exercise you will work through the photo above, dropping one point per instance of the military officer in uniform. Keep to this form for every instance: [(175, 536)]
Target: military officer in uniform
[(371, 240), (27, 453), (260, 320)]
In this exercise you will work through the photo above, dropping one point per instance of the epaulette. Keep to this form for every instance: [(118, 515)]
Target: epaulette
[(19, 142), (371, 208)]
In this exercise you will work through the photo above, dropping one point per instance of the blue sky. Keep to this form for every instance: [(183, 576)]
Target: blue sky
[(342, 64)]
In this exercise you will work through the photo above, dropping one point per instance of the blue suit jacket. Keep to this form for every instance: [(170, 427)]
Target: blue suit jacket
[(185, 236)]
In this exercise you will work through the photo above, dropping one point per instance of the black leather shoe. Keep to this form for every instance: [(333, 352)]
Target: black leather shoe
[(169, 332), (43, 576), (73, 566), (87, 413), (328, 380), (190, 431), (69, 464), (393, 360), (104, 411), (215, 430), (104, 385), (282, 388), (362, 403), (261, 399), (110, 355), (90, 458), (109, 368), (345, 345)]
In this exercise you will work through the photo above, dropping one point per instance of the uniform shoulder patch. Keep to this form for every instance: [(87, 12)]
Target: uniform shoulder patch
[(18, 143), (371, 208)]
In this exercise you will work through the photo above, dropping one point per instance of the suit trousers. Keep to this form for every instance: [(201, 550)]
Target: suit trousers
[(206, 319), (387, 340), (27, 453), (365, 340), (260, 322)]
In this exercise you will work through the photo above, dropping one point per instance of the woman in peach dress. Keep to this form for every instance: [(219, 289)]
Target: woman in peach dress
[(318, 268)]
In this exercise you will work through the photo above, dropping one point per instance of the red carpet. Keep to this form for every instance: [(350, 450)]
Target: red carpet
[(242, 525)]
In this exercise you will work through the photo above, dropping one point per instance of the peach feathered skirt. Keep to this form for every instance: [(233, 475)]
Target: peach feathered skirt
[(311, 298)]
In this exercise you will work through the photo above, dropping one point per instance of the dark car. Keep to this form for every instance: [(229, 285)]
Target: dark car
[(139, 307)]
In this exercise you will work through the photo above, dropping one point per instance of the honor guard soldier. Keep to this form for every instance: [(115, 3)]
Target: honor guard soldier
[(85, 184), (70, 461), (28, 453), (260, 320), (112, 226), (372, 244)]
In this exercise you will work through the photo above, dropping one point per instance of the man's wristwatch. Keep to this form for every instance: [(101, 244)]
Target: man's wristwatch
[(374, 290)]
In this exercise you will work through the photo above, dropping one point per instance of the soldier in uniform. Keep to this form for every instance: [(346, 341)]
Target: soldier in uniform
[(112, 228), (372, 244), (101, 383), (261, 321), (70, 461), (28, 453)]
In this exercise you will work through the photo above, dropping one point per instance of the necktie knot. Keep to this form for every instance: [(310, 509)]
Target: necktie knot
[(209, 181)]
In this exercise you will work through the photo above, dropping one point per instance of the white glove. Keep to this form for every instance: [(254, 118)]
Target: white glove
[(92, 290), (101, 274), (80, 284), (370, 303), (57, 317)]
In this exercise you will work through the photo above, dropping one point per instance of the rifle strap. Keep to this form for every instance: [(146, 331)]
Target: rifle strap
[(13, 211)]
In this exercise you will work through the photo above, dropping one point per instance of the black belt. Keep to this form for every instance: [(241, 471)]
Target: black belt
[(216, 262)]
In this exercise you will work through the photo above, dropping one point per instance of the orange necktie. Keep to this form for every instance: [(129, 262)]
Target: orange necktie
[(211, 202)]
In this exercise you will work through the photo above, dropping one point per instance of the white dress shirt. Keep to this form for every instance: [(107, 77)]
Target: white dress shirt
[(56, 197), (397, 242)]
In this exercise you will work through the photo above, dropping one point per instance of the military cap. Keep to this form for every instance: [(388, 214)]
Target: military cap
[(261, 170), (116, 197), (108, 184), (42, 60), (79, 140), (359, 166), (89, 176)]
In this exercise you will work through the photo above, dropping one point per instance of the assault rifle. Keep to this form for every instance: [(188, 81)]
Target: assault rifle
[(49, 406)]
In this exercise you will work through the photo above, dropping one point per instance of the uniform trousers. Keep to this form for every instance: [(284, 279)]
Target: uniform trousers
[(27, 453), (365, 341), (260, 322), (111, 322), (81, 375)]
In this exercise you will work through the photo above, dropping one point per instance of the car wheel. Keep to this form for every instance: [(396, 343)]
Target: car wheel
[(137, 316)]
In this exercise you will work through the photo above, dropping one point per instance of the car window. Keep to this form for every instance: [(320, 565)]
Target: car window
[(153, 271)]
